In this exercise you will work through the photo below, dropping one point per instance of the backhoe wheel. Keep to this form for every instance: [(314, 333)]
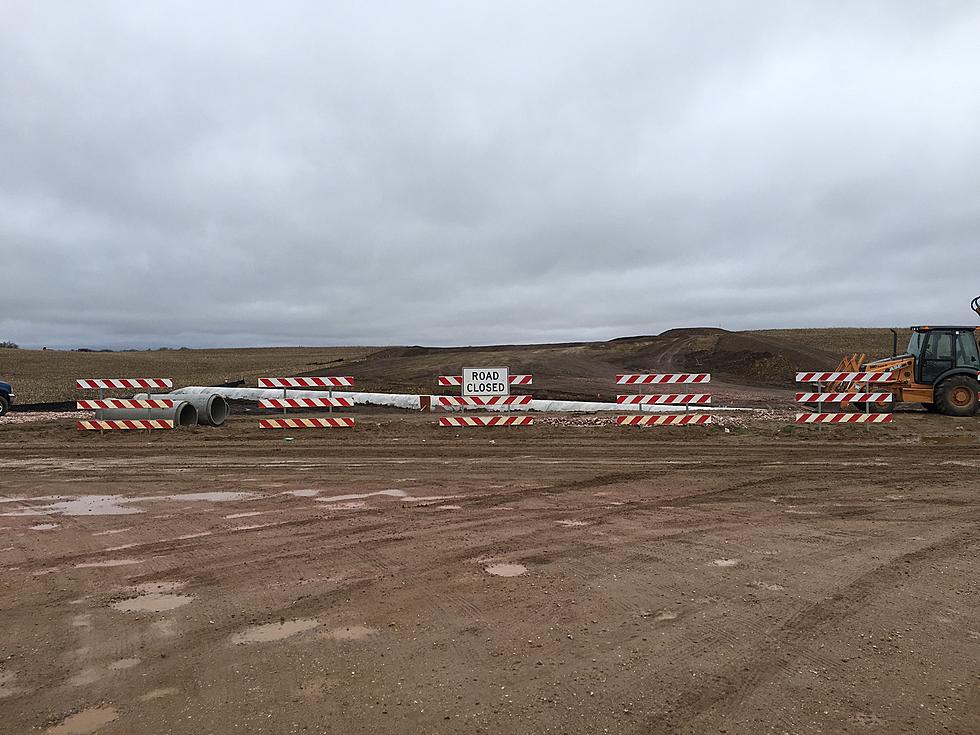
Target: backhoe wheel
[(957, 396)]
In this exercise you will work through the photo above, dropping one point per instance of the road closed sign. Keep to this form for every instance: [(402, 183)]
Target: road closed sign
[(486, 381)]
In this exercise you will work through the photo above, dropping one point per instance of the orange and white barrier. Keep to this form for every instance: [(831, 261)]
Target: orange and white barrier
[(327, 401), (100, 403), (318, 423), (844, 418), (666, 399), (113, 383), (106, 425), (485, 421), (326, 381), (103, 403), (456, 401), (844, 397), (662, 378), (845, 377), (857, 397), (677, 419), (306, 403)]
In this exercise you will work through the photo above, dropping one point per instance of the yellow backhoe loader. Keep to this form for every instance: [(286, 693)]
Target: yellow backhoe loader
[(938, 369)]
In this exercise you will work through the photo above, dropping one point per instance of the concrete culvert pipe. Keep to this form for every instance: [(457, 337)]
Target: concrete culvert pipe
[(212, 409), (182, 414)]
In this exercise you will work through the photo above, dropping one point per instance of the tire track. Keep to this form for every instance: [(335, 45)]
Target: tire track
[(743, 676)]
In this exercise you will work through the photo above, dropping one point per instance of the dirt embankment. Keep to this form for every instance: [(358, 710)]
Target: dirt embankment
[(580, 371)]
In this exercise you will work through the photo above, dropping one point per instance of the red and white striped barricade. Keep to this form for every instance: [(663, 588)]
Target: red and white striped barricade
[(329, 401), (502, 402), (844, 418), (456, 381), (318, 423), (460, 421), (324, 381), (665, 399), (110, 425), (662, 378), (857, 393), (881, 376), (102, 384), (638, 401), (102, 403), (676, 419), (475, 401)]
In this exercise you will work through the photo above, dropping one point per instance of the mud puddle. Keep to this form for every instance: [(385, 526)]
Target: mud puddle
[(393, 493), (85, 722), (274, 631), (154, 597), (111, 505)]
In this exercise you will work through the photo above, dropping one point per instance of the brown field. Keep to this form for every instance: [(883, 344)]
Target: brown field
[(568, 577), (49, 375), (766, 580), (574, 371)]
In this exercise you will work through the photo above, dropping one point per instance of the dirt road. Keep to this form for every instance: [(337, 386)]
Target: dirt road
[(401, 578)]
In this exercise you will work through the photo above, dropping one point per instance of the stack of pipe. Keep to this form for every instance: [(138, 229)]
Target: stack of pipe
[(207, 409)]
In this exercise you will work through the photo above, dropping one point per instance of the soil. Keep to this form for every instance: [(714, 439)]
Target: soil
[(402, 578), (575, 371)]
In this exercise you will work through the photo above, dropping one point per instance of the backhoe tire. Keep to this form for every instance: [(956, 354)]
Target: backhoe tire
[(957, 396)]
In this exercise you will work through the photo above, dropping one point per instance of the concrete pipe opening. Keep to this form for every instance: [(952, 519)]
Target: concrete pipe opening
[(182, 414), (212, 409)]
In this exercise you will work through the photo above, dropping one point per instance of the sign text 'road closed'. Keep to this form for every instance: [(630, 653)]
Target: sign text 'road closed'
[(486, 381)]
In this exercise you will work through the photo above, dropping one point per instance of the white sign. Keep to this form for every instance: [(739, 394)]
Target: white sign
[(486, 381)]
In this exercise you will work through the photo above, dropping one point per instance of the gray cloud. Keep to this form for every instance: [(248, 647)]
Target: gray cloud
[(443, 173)]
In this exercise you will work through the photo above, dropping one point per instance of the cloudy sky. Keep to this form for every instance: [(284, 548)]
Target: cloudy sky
[(249, 173)]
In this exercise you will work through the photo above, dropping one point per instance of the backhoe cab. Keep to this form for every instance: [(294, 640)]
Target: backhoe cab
[(939, 369)]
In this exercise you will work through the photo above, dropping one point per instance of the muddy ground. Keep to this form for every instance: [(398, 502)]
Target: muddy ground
[(401, 578)]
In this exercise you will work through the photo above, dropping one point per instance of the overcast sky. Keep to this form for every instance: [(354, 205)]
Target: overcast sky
[(251, 173)]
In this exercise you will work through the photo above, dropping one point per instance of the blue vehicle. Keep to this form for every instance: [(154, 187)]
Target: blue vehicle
[(6, 397)]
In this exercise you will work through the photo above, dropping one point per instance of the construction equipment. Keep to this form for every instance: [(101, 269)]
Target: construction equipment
[(939, 369)]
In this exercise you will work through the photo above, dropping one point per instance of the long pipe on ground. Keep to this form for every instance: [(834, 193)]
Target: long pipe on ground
[(212, 409), (414, 403), (182, 414)]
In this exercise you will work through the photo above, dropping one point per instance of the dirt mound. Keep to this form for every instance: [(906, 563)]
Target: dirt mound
[(587, 370)]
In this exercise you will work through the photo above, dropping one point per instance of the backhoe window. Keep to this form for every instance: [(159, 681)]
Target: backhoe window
[(915, 344), (966, 350), (940, 347)]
